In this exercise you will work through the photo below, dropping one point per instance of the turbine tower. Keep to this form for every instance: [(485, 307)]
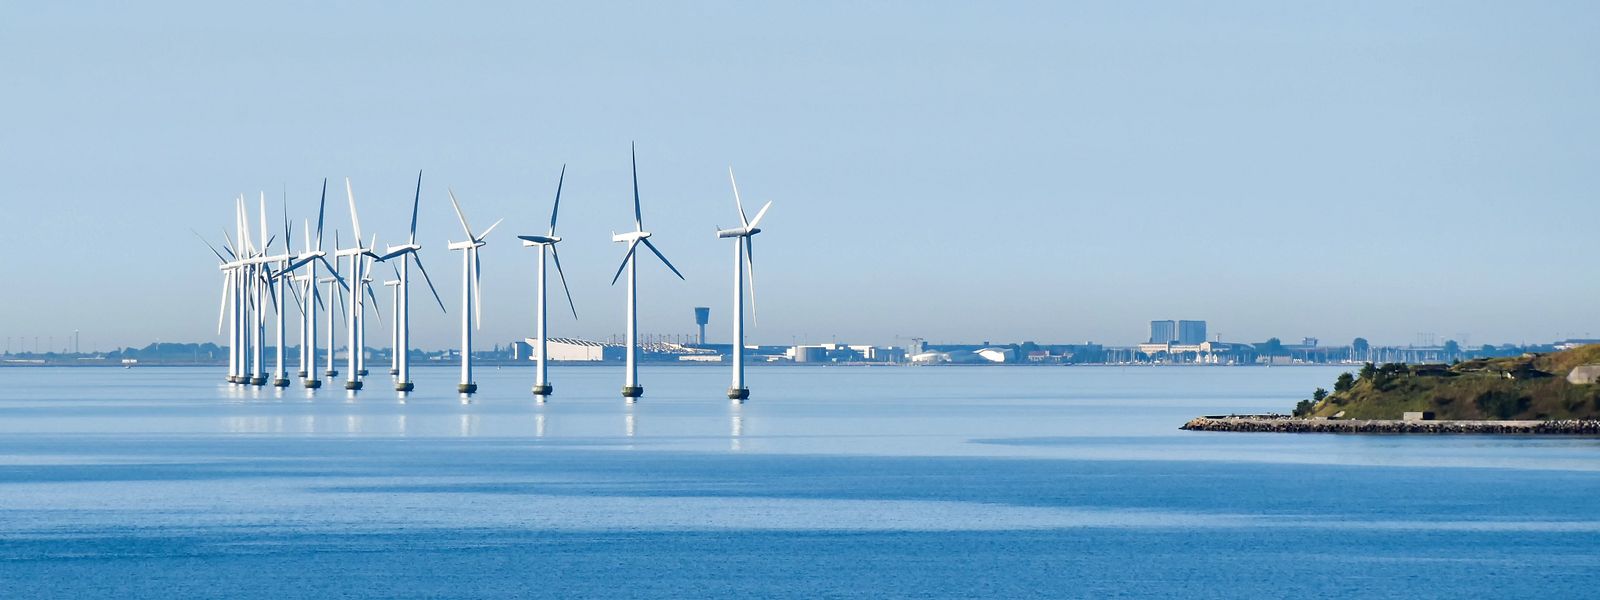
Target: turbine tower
[(471, 299), (630, 385), (402, 312), (743, 258), (356, 279), (258, 282), (547, 242)]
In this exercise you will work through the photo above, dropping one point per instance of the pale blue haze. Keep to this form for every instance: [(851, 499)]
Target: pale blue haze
[(959, 171)]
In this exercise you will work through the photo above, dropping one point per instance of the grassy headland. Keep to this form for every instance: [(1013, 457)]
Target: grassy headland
[(1533, 387)]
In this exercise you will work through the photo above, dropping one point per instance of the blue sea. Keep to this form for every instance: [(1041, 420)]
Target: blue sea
[(831, 482)]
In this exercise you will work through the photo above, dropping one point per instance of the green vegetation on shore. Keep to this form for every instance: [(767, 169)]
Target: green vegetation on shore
[(1532, 386)]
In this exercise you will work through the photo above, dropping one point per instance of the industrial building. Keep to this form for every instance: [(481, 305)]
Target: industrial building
[(570, 349), (1187, 333)]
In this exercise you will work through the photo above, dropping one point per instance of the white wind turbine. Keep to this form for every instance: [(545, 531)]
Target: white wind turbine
[(630, 385), (547, 244), (312, 255), (230, 271), (743, 258), (251, 282), (357, 282), (402, 311), (471, 298)]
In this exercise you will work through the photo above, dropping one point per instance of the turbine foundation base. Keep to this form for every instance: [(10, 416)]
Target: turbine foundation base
[(330, 373), (280, 382), (302, 374), (394, 371), (312, 384), (352, 385), (543, 390), (404, 386), (467, 388), (361, 373), (258, 381), (632, 391), (738, 393)]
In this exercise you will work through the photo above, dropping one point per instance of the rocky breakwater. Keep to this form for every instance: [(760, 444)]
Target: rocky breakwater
[(1286, 424)]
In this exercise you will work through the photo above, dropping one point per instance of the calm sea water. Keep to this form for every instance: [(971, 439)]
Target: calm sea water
[(831, 482)]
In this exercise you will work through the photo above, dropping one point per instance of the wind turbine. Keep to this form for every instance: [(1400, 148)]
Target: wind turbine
[(402, 312), (471, 298), (229, 270), (312, 255), (541, 384), (357, 283), (630, 385), (743, 258)]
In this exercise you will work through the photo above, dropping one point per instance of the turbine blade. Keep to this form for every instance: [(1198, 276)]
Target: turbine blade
[(436, 298), (375, 310), (557, 207), (295, 291), (459, 216), (241, 224), (557, 256), (263, 223), (756, 222), (322, 206), (333, 271), (736, 202), (288, 240), (227, 292), (208, 245), (230, 247), (416, 202), (625, 258), (486, 231), (663, 257), (355, 222), (638, 218)]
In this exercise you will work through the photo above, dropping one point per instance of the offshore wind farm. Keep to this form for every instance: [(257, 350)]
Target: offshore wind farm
[(1056, 300), (255, 281)]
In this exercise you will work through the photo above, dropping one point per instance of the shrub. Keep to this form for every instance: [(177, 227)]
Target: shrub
[(1344, 383), (1502, 404)]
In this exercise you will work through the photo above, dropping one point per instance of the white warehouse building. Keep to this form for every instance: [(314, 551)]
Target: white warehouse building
[(568, 349)]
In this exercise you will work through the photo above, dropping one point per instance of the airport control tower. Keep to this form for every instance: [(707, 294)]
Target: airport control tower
[(702, 315)]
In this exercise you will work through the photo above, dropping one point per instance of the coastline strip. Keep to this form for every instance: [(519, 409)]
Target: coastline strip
[(1282, 424)]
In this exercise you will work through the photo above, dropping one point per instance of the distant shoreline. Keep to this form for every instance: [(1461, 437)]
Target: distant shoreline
[(528, 363), (1283, 424)]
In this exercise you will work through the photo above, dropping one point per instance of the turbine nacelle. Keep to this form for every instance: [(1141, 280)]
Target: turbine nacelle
[(394, 251), (632, 236), (465, 245), (741, 232), (538, 240)]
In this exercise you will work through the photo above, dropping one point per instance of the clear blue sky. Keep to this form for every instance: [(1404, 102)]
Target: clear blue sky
[(959, 171)]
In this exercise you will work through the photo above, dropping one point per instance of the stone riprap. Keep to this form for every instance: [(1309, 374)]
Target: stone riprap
[(1286, 424)]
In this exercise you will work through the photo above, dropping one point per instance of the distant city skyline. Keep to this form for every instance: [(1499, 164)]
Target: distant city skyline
[(1014, 171)]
